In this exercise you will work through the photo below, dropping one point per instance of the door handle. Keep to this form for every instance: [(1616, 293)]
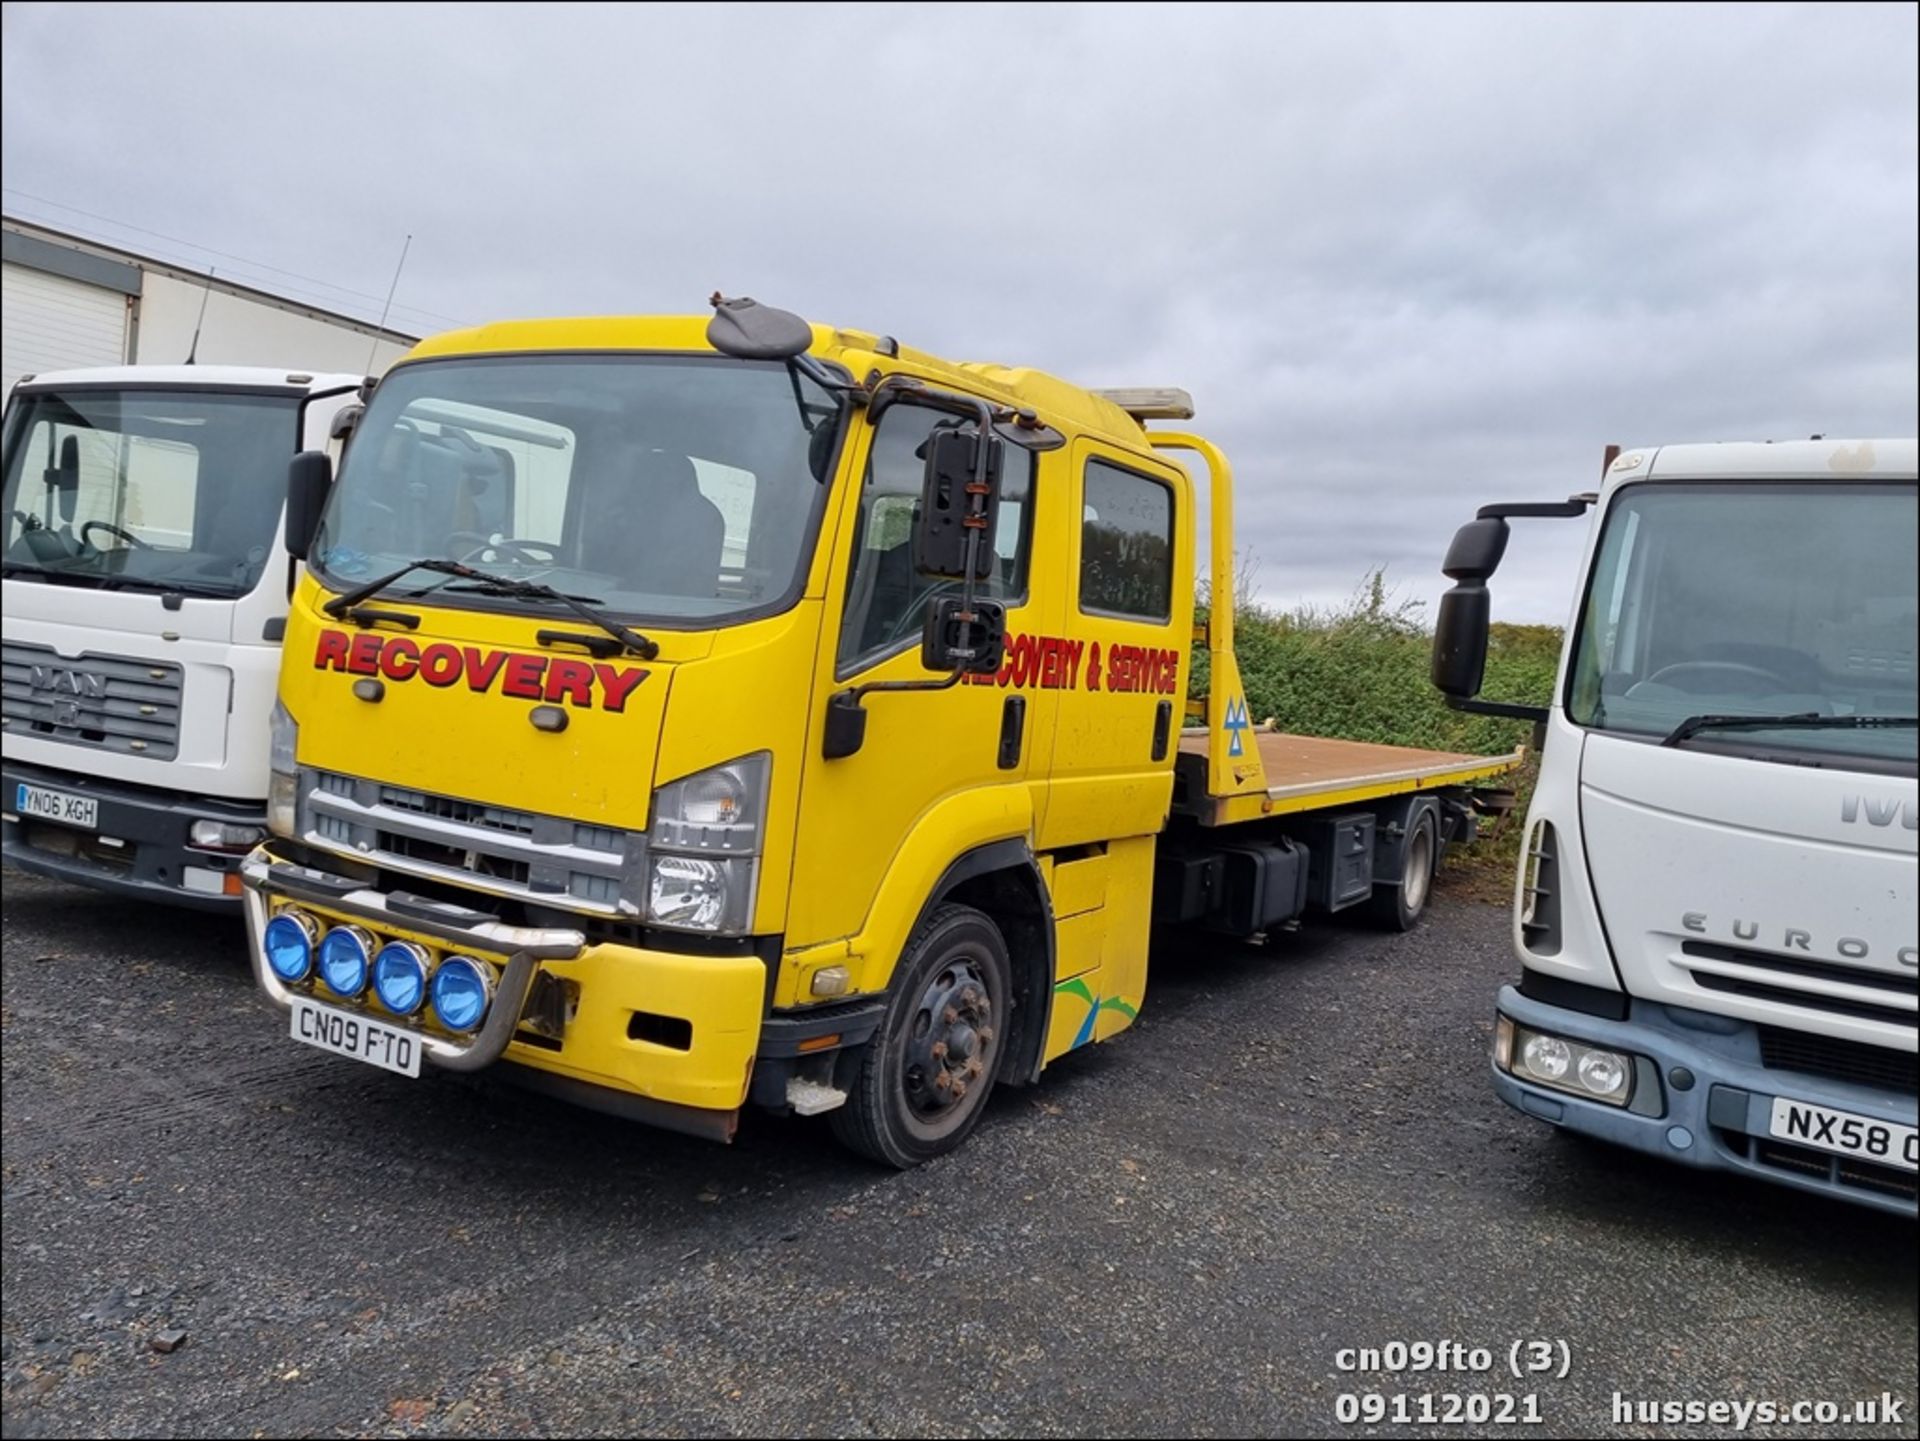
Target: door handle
[(1013, 729), (1162, 728)]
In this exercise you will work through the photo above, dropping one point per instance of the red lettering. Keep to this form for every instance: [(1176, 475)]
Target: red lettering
[(617, 685), (523, 677), (483, 666), (1093, 666), (1074, 651), (1170, 684), (331, 652), (440, 665), (1050, 663), (400, 659), (572, 679), (363, 656)]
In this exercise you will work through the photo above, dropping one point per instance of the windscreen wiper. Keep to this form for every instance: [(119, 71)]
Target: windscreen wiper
[(348, 599), (1803, 720), (486, 584), (535, 590)]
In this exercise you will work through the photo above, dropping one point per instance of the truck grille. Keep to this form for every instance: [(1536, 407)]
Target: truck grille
[(1763, 975), (110, 702), (1839, 1173), (547, 859), (1839, 1060)]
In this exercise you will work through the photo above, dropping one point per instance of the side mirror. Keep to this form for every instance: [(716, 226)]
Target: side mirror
[(953, 508), (1466, 610), (955, 639), (309, 477), (64, 479), (344, 421)]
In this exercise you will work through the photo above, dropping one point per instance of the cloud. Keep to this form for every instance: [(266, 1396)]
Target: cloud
[(1407, 259)]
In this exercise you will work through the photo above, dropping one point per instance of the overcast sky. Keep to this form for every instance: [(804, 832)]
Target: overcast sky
[(1406, 260)]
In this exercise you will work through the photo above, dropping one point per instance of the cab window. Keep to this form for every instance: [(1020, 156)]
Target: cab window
[(1126, 545), (886, 596)]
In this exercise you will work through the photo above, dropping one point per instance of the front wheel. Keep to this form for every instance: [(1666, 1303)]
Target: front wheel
[(1399, 908), (923, 1082)]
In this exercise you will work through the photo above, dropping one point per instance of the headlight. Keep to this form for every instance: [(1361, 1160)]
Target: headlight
[(703, 844), (400, 976), (697, 894), (345, 955), (1580, 1070), (461, 990), (283, 780), (223, 836), (288, 943)]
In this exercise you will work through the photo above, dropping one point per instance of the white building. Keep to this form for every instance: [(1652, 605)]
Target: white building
[(70, 302)]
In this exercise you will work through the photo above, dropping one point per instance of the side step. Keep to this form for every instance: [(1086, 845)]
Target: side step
[(810, 1098)]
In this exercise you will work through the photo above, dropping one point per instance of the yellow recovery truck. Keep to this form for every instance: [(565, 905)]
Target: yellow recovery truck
[(688, 713)]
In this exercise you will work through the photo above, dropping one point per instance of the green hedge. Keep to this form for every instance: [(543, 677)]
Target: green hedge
[(1359, 671)]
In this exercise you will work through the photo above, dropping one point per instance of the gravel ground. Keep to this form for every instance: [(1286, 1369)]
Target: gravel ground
[(1295, 1151)]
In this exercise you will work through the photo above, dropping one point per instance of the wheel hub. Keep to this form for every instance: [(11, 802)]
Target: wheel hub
[(950, 1039)]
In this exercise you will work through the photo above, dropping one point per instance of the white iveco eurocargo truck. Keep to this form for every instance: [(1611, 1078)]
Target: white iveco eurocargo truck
[(1715, 914), (145, 592)]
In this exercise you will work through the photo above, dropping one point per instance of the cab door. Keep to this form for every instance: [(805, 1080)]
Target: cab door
[(938, 769), (1129, 575), (1130, 564)]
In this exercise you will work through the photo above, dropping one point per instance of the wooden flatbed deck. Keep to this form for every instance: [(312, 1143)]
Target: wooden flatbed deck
[(1309, 772)]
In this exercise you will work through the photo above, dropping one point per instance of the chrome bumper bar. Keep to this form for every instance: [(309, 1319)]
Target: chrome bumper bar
[(522, 947)]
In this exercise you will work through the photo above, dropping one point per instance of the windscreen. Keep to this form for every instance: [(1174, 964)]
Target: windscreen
[(1756, 600), (153, 490), (658, 488)]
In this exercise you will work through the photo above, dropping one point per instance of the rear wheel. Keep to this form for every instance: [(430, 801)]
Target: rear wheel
[(926, 1074), (1399, 908)]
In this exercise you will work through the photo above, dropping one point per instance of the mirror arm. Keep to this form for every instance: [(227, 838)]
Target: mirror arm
[(846, 725), (1506, 709), (859, 693), (1538, 509)]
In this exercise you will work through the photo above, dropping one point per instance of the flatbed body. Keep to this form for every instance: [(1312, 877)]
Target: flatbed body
[(1310, 773)]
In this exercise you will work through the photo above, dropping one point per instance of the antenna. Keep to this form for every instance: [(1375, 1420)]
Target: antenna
[(199, 320), (373, 349)]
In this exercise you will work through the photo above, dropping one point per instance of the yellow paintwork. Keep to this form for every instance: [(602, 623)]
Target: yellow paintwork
[(721, 995), (853, 847)]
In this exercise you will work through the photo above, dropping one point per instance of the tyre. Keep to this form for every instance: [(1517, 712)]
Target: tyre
[(923, 1081), (1399, 908)]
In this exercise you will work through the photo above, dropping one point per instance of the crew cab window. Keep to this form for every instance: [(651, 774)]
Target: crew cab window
[(1126, 545), (886, 596)]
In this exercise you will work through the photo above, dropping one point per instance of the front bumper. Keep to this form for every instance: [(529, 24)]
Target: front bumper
[(138, 846), (1719, 1121), (666, 1038)]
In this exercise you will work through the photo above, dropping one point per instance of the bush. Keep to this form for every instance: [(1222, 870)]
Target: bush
[(1360, 672)]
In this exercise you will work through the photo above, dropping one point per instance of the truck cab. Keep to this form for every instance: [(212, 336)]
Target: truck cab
[(1715, 914), (145, 585)]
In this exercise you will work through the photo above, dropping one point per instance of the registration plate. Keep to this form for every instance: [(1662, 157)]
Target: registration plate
[(1845, 1134), (62, 806), (361, 1037)]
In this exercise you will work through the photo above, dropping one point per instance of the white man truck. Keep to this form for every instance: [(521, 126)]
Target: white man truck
[(1715, 912), (145, 585)]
